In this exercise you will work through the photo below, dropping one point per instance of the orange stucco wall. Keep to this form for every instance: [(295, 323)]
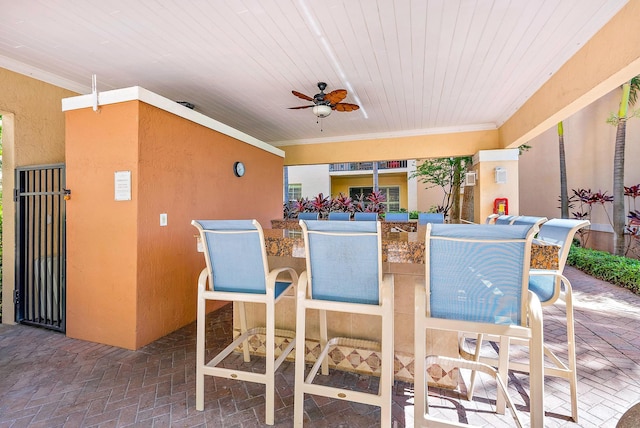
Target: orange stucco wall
[(32, 134), (130, 280)]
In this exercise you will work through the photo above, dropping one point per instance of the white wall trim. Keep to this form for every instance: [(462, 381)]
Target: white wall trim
[(412, 186), (138, 93), (44, 76), (496, 155)]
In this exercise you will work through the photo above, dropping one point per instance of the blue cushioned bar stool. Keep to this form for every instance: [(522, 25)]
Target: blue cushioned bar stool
[(308, 216), (365, 216), (530, 220), (344, 274), (396, 217), (476, 281), (340, 216), (491, 219), (505, 219), (237, 270), (551, 286), (435, 218)]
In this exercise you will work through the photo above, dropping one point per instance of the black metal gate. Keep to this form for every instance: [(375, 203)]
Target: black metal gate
[(40, 246)]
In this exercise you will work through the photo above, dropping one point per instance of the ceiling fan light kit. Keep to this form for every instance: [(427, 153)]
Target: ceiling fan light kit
[(322, 110), (324, 104)]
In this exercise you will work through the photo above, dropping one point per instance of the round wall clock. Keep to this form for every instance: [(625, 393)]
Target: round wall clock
[(238, 169)]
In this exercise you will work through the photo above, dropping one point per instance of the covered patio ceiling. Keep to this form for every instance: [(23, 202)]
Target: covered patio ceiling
[(414, 67)]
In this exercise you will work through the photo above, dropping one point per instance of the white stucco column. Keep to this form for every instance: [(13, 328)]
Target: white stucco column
[(412, 186), (491, 185)]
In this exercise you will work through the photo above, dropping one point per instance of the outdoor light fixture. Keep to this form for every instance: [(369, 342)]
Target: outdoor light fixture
[(470, 178), (501, 175), (322, 110)]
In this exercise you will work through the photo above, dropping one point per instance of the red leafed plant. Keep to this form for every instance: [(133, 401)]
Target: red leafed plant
[(374, 202), (376, 199), (320, 204), (342, 203)]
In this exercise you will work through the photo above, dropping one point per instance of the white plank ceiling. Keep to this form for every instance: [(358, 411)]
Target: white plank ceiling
[(414, 66)]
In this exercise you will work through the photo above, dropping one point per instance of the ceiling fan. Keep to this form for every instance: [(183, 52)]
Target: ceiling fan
[(324, 104)]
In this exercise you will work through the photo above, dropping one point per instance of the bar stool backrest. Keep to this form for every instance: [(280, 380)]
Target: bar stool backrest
[(308, 216), (340, 216), (396, 217), (235, 254), (487, 264), (365, 216), (344, 260), (435, 218)]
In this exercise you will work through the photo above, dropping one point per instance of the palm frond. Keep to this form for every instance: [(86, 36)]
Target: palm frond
[(635, 89)]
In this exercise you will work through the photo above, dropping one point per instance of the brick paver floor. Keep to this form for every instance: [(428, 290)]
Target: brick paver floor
[(49, 380)]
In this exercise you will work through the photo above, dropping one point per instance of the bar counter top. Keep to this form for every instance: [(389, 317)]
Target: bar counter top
[(397, 247), (385, 226)]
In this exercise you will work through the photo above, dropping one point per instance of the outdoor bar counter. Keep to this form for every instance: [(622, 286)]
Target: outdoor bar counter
[(402, 242), (403, 256)]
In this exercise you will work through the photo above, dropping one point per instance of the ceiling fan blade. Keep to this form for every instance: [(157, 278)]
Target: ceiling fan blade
[(299, 107), (336, 96), (303, 96), (345, 107)]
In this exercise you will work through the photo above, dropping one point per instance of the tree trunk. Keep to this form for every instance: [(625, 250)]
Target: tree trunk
[(564, 196), (375, 176), (467, 199), (455, 191), (618, 173)]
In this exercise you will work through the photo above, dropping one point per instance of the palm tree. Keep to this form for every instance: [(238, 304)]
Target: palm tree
[(456, 184), (564, 197), (629, 95)]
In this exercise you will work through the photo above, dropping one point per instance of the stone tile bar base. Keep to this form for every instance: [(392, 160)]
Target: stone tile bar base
[(358, 361)]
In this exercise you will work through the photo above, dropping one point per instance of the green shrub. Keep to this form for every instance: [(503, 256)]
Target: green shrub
[(618, 270), (413, 215), (0, 253)]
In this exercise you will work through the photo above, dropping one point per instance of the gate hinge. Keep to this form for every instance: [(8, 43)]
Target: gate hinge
[(16, 193), (16, 297)]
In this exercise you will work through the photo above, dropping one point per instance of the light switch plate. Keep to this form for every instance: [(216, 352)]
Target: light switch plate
[(163, 219)]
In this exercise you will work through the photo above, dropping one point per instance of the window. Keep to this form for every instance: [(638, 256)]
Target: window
[(295, 191), (391, 193)]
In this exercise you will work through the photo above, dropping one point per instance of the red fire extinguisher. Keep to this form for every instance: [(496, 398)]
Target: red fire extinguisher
[(501, 206)]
